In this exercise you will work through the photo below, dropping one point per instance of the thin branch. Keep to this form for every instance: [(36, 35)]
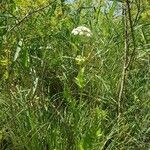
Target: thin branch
[(132, 35), (29, 15), (139, 11), (127, 62), (126, 53)]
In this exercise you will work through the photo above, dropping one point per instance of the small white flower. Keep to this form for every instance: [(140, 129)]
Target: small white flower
[(81, 33), (88, 34), (75, 32), (81, 30)]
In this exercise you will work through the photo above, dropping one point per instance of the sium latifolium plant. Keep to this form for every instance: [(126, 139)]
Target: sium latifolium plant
[(83, 33)]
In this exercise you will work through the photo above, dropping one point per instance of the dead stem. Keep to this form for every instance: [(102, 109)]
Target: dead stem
[(126, 53), (128, 58)]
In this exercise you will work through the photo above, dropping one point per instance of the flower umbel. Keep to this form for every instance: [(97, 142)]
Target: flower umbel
[(81, 30), (80, 59)]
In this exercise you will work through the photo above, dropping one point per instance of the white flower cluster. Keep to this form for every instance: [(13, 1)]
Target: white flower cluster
[(81, 30), (80, 59)]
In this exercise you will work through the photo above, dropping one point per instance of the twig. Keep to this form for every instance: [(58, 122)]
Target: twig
[(29, 15)]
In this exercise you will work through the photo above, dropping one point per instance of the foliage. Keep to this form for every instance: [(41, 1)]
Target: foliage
[(60, 91)]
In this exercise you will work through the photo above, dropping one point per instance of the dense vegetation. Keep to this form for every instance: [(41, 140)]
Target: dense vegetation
[(60, 91)]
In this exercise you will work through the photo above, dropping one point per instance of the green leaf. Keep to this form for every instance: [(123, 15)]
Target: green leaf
[(79, 80), (18, 49)]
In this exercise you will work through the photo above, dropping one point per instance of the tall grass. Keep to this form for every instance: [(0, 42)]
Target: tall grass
[(52, 101)]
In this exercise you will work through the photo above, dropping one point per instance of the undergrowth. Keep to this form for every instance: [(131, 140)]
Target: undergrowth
[(59, 91)]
